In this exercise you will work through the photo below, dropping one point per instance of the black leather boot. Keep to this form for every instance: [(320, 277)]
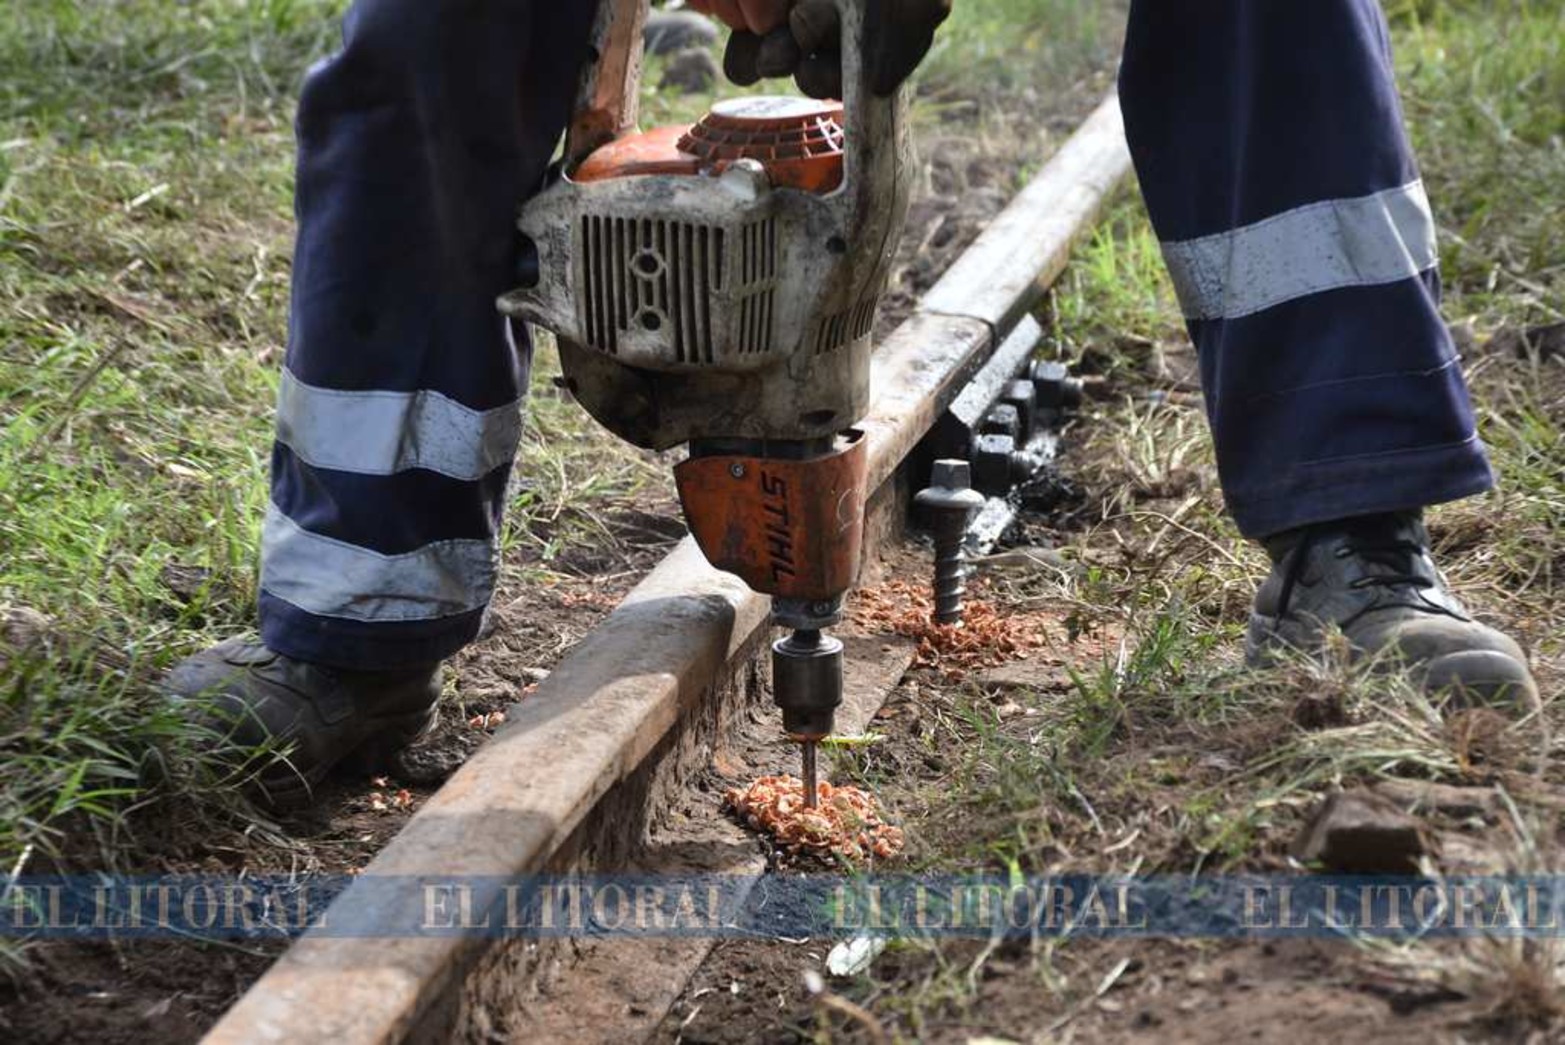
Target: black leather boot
[(1373, 578), (320, 716)]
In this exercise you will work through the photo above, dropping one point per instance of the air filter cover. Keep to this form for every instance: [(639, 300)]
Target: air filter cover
[(799, 141)]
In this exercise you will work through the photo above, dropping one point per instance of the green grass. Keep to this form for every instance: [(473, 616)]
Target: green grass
[(1484, 88), (1003, 45), (1115, 285), (145, 181)]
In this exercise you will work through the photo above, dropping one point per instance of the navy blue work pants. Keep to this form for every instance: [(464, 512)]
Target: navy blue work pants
[(1267, 137)]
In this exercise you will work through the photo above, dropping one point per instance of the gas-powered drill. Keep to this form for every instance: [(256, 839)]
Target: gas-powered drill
[(716, 285)]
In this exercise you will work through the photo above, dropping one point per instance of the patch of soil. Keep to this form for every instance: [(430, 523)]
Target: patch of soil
[(1303, 990), (133, 992), (967, 176), (1290, 990), (1210, 991)]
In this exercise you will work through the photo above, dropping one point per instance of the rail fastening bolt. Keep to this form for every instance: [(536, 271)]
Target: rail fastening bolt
[(950, 501), (1057, 390)]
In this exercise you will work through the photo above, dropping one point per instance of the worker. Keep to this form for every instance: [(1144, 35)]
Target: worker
[(1269, 145)]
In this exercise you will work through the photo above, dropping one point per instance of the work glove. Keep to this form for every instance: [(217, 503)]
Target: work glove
[(803, 40)]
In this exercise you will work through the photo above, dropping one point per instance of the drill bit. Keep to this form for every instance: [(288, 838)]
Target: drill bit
[(811, 775)]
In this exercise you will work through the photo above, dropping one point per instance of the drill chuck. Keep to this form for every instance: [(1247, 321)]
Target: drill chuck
[(807, 683)]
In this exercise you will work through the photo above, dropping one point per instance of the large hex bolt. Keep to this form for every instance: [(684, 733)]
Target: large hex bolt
[(1002, 420), (1056, 389), (992, 468), (1024, 397), (950, 501)]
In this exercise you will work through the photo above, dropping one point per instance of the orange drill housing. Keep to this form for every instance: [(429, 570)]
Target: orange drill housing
[(793, 529)]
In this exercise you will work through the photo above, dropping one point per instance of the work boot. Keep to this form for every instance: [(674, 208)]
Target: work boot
[(320, 716), (1372, 577)]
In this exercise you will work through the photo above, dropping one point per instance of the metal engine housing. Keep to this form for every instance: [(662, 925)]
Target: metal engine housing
[(717, 305)]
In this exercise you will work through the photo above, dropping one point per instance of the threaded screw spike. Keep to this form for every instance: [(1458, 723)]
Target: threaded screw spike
[(950, 580), (950, 501)]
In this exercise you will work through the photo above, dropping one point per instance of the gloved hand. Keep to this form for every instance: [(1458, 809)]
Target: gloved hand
[(807, 45)]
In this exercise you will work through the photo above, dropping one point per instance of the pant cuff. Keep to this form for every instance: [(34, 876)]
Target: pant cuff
[(359, 645), (1341, 488)]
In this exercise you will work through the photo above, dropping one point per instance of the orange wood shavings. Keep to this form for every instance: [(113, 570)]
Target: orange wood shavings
[(492, 720), (846, 823), (987, 637)]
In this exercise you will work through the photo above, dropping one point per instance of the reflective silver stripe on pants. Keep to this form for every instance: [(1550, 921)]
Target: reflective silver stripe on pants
[(331, 578), (1361, 242), (383, 433)]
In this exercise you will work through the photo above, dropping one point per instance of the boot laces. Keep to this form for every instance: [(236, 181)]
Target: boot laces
[(1397, 558)]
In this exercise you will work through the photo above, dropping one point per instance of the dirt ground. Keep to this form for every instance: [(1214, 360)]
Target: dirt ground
[(1300, 990)]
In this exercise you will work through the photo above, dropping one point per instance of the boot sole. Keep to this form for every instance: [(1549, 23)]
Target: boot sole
[(378, 752), (290, 791), (1474, 678), (1482, 678), (1264, 643)]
